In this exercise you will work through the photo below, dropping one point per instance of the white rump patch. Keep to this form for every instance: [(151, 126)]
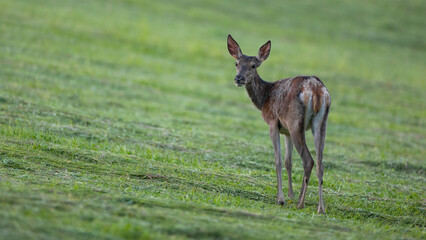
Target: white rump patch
[(312, 120), (319, 116)]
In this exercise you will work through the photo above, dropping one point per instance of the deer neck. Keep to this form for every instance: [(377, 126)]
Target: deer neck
[(258, 91)]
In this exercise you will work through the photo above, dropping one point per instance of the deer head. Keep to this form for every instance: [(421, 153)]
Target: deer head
[(246, 65)]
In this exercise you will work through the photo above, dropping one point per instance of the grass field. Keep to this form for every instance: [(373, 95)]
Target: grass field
[(120, 119)]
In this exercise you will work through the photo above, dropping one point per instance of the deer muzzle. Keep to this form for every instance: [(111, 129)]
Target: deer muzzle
[(240, 80)]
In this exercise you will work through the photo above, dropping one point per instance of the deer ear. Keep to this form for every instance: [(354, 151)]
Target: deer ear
[(264, 51), (234, 48)]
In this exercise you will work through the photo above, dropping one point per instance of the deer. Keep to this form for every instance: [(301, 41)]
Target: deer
[(289, 106)]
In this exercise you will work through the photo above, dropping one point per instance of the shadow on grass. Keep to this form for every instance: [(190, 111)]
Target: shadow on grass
[(176, 182), (192, 208)]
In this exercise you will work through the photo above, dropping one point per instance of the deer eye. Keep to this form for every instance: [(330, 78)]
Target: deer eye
[(236, 64), (253, 66)]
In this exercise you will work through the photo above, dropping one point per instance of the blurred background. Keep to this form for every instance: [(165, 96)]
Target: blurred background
[(104, 95)]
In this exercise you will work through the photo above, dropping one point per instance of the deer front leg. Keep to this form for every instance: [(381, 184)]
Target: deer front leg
[(275, 137)]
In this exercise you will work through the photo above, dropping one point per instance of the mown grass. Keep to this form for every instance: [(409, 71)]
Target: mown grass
[(120, 120)]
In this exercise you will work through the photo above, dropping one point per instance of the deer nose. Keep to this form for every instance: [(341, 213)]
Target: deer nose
[(239, 79)]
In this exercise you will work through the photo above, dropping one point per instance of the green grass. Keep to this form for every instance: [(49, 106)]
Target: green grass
[(120, 119)]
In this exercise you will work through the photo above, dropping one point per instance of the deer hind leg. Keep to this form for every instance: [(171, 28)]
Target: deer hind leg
[(288, 164), (298, 136), (275, 137), (319, 127)]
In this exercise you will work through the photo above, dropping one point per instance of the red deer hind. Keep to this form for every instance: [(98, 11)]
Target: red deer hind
[(289, 106)]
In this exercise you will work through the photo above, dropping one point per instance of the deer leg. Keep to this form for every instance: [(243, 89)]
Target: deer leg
[(319, 130), (298, 137), (288, 164), (275, 137)]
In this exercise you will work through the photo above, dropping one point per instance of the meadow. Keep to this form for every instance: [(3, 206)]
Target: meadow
[(119, 119)]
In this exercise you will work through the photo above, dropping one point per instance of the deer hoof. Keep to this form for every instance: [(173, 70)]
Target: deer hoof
[(280, 201)]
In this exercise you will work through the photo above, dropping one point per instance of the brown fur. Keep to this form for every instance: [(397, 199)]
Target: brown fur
[(282, 92)]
